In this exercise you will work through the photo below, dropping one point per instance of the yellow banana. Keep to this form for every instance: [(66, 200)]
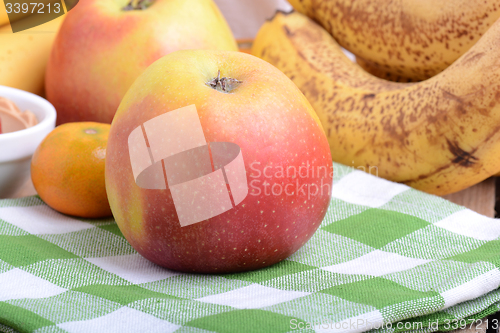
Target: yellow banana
[(24, 55), (440, 135), (4, 19), (410, 38), (377, 71)]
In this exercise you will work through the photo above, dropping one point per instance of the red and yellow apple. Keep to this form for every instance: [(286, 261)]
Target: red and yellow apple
[(104, 45), (284, 149)]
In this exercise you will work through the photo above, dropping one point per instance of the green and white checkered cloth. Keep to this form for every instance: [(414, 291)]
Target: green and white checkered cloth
[(386, 258)]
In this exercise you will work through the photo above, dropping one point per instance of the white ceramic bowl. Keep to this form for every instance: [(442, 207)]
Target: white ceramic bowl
[(16, 148)]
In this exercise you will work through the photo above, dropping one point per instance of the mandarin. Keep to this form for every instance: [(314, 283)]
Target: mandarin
[(67, 169)]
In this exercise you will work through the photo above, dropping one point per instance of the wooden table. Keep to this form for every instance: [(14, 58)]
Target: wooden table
[(480, 198)]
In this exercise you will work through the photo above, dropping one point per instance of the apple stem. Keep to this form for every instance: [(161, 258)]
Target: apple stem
[(138, 5), (224, 84)]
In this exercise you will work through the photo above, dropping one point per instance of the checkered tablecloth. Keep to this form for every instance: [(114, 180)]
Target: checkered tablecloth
[(384, 255)]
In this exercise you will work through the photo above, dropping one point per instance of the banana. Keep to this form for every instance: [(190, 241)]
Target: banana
[(375, 70), (4, 18), (378, 72), (439, 136), (24, 55), (410, 38)]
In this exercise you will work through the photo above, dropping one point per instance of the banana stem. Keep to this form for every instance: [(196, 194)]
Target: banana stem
[(138, 5), (223, 84)]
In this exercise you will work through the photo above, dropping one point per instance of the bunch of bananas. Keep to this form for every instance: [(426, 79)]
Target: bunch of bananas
[(24, 55), (440, 135)]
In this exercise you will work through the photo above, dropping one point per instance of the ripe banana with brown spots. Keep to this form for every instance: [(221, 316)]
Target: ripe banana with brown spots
[(377, 71), (440, 135), (410, 38)]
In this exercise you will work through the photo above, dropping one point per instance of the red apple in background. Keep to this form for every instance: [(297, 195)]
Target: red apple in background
[(284, 150), (104, 45)]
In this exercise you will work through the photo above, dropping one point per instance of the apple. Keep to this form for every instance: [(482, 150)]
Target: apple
[(104, 45), (228, 99)]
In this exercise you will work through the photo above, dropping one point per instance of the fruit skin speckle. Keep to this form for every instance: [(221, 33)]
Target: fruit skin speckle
[(100, 153), (67, 169)]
